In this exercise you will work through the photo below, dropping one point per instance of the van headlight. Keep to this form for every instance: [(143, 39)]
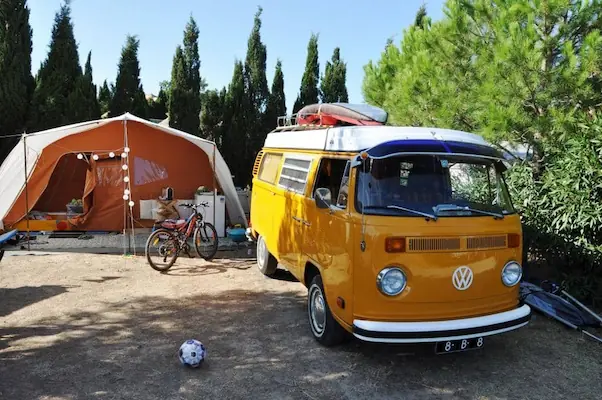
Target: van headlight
[(511, 273), (391, 281)]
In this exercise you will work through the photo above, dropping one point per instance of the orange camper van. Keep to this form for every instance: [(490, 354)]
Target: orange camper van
[(400, 234)]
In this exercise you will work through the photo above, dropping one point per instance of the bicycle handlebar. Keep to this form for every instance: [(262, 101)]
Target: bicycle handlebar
[(190, 205)]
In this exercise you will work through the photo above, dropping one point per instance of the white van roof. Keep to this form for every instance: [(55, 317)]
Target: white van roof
[(357, 138)]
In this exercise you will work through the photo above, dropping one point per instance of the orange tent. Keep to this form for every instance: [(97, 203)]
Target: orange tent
[(86, 161)]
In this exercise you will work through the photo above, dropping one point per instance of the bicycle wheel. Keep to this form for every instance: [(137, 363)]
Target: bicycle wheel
[(165, 243), (206, 241)]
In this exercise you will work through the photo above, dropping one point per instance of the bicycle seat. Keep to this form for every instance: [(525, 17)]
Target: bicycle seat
[(173, 223)]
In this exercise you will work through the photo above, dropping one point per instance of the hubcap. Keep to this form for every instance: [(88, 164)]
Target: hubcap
[(317, 310), (261, 252)]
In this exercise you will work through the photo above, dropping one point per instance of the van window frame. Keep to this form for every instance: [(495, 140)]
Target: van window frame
[(283, 165), (346, 170), (277, 174)]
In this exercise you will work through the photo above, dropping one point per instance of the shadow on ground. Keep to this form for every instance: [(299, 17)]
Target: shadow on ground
[(13, 299), (259, 347)]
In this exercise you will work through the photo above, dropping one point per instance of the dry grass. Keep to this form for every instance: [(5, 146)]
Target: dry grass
[(106, 327)]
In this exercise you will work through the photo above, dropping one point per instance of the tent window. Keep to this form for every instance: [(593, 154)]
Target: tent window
[(146, 171), (108, 175)]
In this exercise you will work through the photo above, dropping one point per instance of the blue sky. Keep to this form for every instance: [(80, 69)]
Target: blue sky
[(359, 28)]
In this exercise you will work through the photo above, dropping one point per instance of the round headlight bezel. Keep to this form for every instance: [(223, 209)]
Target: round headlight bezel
[(383, 273), (520, 274)]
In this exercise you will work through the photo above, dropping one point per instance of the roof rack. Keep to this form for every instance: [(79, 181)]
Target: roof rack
[(287, 123)]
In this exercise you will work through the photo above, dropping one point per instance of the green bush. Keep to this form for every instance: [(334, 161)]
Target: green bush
[(562, 211)]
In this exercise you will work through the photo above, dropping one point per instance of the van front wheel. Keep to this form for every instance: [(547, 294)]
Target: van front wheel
[(324, 327), (266, 262)]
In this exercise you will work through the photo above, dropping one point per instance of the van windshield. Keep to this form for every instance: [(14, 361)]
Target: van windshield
[(423, 185)]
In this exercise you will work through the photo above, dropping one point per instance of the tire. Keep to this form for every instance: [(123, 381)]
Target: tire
[(207, 230), (174, 254), (325, 329), (266, 262)]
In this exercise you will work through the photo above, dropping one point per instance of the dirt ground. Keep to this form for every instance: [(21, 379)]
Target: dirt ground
[(84, 326)]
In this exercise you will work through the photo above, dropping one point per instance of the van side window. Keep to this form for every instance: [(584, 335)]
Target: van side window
[(344, 191), (330, 175), (269, 167), (294, 174)]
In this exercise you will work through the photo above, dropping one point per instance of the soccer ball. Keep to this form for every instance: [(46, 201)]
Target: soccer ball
[(192, 353)]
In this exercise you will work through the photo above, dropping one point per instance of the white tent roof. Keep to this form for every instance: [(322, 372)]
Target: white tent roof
[(12, 171)]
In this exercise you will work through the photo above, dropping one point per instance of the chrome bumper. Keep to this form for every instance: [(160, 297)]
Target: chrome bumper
[(436, 331)]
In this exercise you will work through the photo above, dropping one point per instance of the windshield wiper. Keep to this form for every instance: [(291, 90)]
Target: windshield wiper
[(453, 207), (428, 216)]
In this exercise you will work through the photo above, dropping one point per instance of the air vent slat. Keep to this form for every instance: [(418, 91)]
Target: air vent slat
[(434, 244)]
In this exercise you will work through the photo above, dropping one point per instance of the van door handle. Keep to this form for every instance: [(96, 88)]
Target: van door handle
[(297, 219), (306, 223)]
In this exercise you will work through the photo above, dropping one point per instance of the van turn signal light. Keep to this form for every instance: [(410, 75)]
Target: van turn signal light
[(395, 244), (513, 240)]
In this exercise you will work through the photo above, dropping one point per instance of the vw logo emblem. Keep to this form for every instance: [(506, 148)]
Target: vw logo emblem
[(462, 278)]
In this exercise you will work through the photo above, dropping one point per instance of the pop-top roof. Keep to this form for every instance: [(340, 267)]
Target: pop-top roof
[(353, 139)]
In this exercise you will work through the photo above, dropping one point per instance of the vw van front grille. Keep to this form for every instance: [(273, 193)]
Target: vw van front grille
[(434, 244), (462, 243), (486, 242)]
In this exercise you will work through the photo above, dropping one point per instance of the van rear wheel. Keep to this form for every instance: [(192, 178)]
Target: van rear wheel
[(266, 262), (324, 327)]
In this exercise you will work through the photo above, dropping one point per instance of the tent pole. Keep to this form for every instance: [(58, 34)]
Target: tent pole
[(26, 191), (125, 249)]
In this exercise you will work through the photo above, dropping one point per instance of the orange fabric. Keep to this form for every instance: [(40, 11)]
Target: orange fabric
[(66, 183), (156, 159), (87, 196)]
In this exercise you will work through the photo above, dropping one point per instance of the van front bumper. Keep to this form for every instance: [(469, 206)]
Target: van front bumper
[(436, 331)]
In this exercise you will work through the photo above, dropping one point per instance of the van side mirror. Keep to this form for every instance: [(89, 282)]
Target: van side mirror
[(323, 198)]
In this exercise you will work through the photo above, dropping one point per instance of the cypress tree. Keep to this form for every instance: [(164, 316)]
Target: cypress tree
[(212, 115), (333, 83), (16, 82), (128, 95), (58, 78), (186, 83), (256, 86), (157, 109), (178, 93), (235, 138), (90, 105), (309, 92), (104, 98), (420, 17), (277, 101)]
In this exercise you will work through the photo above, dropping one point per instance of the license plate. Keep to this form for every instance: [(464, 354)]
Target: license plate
[(453, 346)]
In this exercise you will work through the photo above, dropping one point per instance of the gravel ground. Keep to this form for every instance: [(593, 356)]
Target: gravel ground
[(108, 244), (89, 326)]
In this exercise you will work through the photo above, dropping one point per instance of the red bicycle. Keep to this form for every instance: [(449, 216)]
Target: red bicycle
[(171, 238)]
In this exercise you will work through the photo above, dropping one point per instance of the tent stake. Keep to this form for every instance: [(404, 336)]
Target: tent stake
[(26, 191)]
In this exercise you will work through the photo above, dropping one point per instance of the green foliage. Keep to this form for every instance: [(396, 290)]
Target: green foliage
[(16, 82), (235, 138), (309, 92), (256, 87), (333, 87), (88, 105), (522, 72), (58, 92), (186, 83), (104, 98), (157, 108), (277, 101), (212, 115), (128, 95)]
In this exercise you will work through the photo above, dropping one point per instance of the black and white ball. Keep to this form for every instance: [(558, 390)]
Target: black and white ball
[(192, 353)]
